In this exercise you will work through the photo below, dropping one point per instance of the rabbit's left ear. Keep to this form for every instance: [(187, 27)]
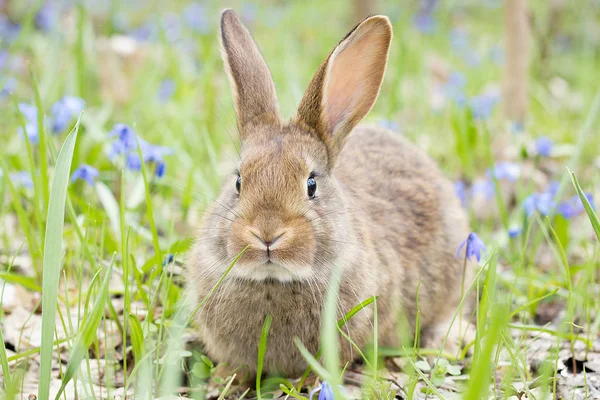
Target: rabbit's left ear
[(251, 83), (346, 85)]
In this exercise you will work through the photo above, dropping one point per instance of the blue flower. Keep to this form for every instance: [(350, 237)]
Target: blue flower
[(514, 232), (505, 170), (461, 192), (541, 202), (46, 18), (195, 17), (8, 86), (325, 392), (148, 31), (171, 24), (482, 106), (126, 140), (3, 58), (424, 22), (63, 112), (543, 146), (168, 259), (454, 87), (8, 30), (573, 206), (486, 187), (166, 91), (21, 179), (126, 145), (474, 247), (29, 113), (85, 173)]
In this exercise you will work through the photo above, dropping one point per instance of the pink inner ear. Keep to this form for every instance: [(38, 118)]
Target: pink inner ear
[(354, 78)]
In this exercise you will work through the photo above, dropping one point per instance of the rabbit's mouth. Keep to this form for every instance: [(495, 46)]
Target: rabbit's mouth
[(271, 270)]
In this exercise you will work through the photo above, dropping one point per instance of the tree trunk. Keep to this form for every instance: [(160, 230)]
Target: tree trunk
[(364, 8), (516, 73)]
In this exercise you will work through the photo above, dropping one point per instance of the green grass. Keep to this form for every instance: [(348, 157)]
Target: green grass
[(96, 254)]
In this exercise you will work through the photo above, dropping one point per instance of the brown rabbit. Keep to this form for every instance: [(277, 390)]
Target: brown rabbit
[(314, 193)]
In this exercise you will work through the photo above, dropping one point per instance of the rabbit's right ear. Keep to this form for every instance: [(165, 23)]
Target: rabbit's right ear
[(251, 83), (347, 83)]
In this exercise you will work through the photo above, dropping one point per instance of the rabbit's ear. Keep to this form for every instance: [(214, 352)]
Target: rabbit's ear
[(251, 83), (347, 83)]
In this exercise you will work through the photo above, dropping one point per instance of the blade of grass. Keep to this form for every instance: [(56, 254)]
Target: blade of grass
[(139, 352), (149, 210), (226, 389), (262, 349), (479, 381), (170, 378), (586, 204), (329, 334), (341, 322), (44, 181), (52, 258), (87, 333)]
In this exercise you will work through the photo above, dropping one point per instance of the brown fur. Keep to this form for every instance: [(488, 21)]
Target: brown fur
[(382, 210)]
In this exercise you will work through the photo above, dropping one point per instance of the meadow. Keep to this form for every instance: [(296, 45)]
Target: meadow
[(117, 130)]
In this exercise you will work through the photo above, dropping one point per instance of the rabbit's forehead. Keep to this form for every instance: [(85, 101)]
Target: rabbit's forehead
[(284, 156)]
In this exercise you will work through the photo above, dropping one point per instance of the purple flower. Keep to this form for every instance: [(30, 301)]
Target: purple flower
[(454, 87), (482, 106), (126, 145), (147, 32), (325, 392), (85, 173), (3, 58), (8, 30), (171, 25), (126, 139), (63, 112), (46, 18), (543, 146), (461, 192), (21, 179), (7, 86), (474, 247), (167, 88), (514, 232), (195, 17), (573, 206), (541, 202), (168, 259), (424, 22), (505, 170), (29, 113), (486, 187)]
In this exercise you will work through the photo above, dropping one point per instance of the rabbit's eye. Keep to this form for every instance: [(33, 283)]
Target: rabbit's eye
[(311, 187), (238, 183)]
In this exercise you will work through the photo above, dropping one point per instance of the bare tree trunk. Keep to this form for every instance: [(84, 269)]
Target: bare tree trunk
[(516, 74), (364, 8)]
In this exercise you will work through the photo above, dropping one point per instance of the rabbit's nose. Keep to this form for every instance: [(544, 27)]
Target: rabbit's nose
[(268, 240)]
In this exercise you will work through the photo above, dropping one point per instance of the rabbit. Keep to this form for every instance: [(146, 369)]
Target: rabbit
[(318, 192)]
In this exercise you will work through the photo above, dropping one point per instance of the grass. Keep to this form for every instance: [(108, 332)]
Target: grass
[(106, 259)]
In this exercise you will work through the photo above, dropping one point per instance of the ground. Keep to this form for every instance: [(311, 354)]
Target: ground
[(115, 272)]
